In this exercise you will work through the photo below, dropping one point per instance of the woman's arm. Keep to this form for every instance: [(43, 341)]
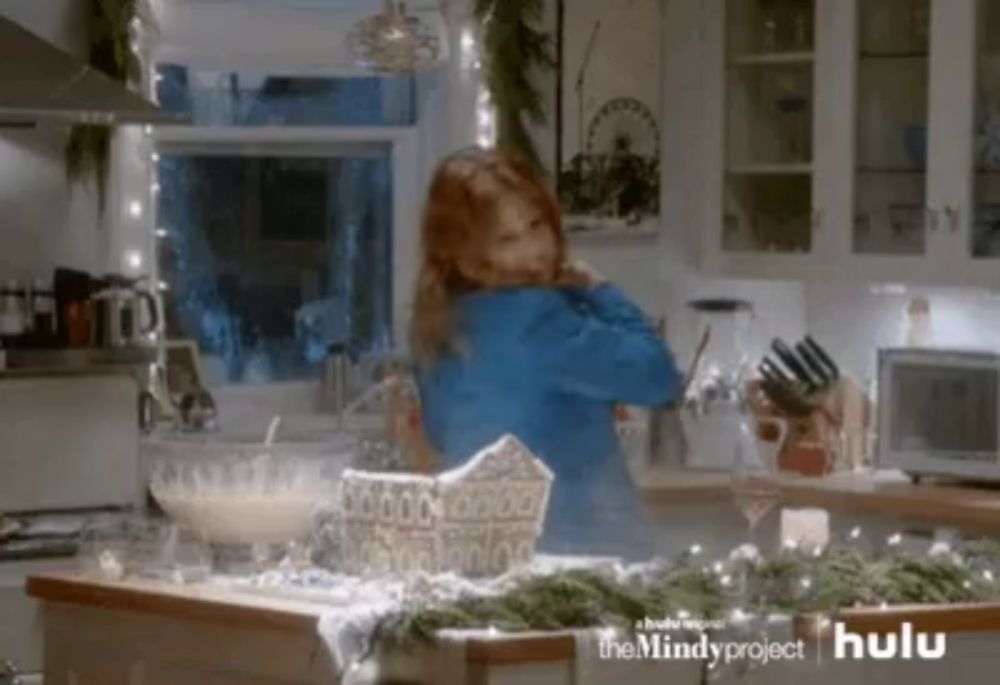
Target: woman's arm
[(604, 348)]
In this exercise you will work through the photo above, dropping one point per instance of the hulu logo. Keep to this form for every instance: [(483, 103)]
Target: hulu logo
[(902, 645)]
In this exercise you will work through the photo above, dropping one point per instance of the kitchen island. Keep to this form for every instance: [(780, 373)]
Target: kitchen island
[(145, 632)]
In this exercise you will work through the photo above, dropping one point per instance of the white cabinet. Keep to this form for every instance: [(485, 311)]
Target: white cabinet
[(840, 138)]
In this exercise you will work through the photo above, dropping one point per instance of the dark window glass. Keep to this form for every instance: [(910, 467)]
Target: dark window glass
[(269, 259)]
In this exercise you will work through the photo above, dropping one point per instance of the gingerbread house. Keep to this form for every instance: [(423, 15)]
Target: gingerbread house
[(481, 518)]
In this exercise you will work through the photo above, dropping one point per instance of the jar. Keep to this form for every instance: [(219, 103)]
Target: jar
[(13, 310)]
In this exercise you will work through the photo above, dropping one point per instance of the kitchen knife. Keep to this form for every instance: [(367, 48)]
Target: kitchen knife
[(814, 364), (822, 355), (785, 397), (766, 374), (788, 358), (773, 372)]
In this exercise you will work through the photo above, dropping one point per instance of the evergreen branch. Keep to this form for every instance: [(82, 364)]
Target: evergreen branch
[(515, 53), (842, 577), (88, 150)]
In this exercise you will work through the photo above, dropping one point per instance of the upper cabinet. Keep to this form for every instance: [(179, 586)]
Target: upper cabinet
[(982, 224), (842, 139), (892, 62), (768, 104)]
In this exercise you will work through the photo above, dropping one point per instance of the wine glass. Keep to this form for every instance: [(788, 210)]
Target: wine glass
[(755, 492), (754, 477), (754, 486)]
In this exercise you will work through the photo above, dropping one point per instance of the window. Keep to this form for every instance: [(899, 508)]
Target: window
[(272, 252)]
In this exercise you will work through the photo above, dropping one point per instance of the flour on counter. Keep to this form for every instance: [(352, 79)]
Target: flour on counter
[(355, 604)]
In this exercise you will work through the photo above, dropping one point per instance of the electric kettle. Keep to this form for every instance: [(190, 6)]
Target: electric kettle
[(124, 313)]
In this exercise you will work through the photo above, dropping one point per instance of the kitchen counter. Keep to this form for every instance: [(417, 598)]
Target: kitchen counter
[(215, 604), (58, 363), (874, 493), (28, 373), (148, 632), (108, 632)]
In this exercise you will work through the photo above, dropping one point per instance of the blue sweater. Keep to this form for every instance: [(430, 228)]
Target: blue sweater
[(548, 366)]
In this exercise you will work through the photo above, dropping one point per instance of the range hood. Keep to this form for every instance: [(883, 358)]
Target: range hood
[(39, 82)]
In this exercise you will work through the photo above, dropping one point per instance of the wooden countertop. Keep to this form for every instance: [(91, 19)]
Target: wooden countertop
[(215, 604), (193, 602), (881, 493)]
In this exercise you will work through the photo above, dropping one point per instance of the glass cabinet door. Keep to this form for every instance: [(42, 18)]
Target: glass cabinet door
[(985, 234), (769, 93), (891, 127)]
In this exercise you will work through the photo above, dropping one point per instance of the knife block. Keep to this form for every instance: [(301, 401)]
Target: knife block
[(836, 438), (806, 449)]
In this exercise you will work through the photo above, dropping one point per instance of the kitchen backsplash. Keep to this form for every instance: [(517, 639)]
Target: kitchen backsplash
[(857, 319), (851, 319)]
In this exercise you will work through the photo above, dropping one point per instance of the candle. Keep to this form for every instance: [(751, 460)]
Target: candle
[(805, 527)]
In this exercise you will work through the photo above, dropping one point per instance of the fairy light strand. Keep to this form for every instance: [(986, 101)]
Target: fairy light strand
[(471, 63)]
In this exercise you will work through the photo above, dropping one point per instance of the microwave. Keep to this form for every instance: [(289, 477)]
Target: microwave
[(939, 413)]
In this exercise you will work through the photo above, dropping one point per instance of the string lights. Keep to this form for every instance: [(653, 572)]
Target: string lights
[(138, 186), (486, 131), (470, 61), (133, 260), (469, 49)]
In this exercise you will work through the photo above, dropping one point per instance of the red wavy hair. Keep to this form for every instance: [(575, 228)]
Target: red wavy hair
[(459, 216)]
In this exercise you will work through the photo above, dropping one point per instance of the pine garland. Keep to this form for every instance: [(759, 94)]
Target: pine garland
[(793, 582), (565, 600), (515, 51), (845, 577)]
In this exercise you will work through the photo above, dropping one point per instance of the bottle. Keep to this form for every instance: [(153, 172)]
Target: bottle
[(43, 309), (918, 328)]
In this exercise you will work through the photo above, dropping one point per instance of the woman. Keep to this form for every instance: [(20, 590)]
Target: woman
[(510, 338)]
